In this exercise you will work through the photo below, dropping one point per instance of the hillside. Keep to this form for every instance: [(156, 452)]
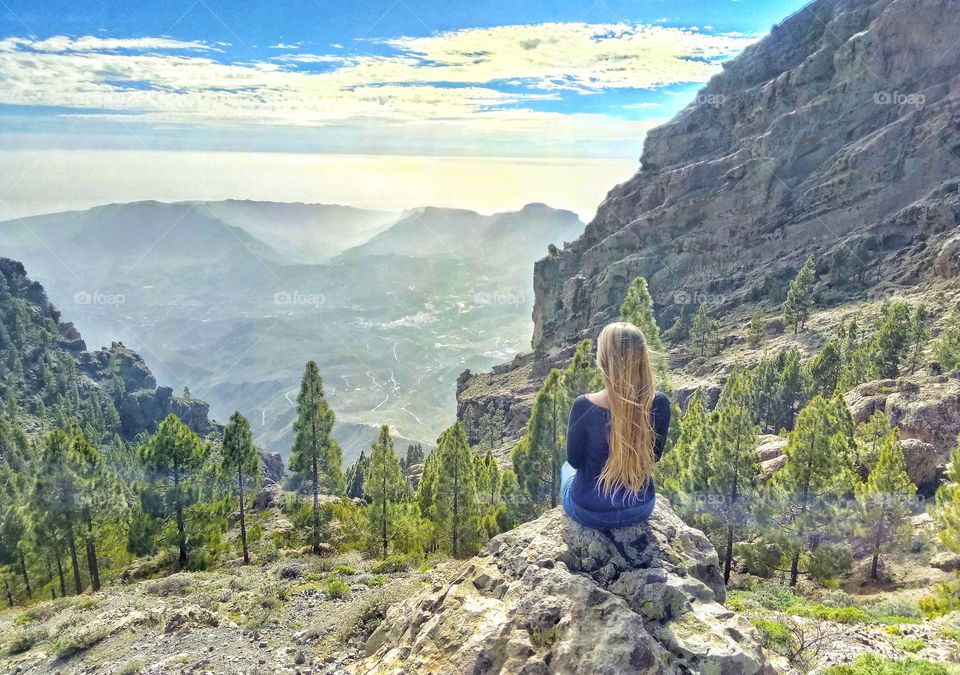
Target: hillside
[(45, 367)]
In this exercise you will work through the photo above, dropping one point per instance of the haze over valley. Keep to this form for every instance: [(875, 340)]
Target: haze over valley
[(232, 298)]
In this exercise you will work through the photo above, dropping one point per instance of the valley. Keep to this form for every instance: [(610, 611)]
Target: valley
[(232, 298)]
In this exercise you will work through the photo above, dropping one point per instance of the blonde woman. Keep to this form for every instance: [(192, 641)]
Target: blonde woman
[(615, 436)]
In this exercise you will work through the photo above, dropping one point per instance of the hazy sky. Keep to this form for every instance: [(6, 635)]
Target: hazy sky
[(153, 82)]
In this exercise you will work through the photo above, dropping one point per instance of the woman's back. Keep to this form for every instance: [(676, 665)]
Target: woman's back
[(588, 449)]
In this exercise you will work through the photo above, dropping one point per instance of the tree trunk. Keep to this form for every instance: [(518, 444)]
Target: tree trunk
[(23, 572), (74, 561), (243, 521), (728, 555), (6, 588), (63, 582), (181, 529), (92, 564), (316, 506), (794, 568), (383, 522)]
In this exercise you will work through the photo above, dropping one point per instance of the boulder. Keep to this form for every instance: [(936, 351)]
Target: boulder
[(927, 412), (771, 466), (947, 561), (922, 462), (770, 447), (270, 496), (552, 596)]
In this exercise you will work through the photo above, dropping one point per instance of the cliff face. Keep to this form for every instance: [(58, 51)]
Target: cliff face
[(842, 125)]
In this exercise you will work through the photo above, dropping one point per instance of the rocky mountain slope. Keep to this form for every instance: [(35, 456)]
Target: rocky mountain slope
[(840, 126)]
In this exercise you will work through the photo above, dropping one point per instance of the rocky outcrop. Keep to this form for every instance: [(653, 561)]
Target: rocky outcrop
[(837, 128), (927, 411), (552, 596)]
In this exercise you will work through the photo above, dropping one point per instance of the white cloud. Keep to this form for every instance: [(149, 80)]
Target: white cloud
[(449, 78), (89, 43)]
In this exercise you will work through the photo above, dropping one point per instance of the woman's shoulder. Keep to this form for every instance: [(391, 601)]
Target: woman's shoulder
[(661, 400)]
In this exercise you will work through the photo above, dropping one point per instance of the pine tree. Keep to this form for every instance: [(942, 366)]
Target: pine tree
[(174, 456), (581, 375), (733, 466), (702, 330), (240, 457), (680, 330), (884, 500), (386, 486), (919, 335), (946, 350), (356, 475), (693, 449), (756, 330), (868, 440), (799, 302), (313, 426), (449, 490), (637, 308), (489, 479), (490, 427), (537, 462), (808, 487), (825, 369), (414, 455), (947, 511), (892, 338)]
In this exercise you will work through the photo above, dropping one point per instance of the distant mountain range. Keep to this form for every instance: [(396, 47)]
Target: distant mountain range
[(232, 298)]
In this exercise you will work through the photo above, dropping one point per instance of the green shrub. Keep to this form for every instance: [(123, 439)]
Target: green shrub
[(870, 664), (912, 645), (79, 640), (775, 596), (344, 570), (390, 564), (774, 635), (335, 587), (24, 639), (376, 581), (894, 607), (370, 617)]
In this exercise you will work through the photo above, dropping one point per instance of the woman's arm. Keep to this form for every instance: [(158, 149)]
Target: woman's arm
[(661, 422), (577, 433)]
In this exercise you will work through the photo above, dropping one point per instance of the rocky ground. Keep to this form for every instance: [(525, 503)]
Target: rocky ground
[(277, 617)]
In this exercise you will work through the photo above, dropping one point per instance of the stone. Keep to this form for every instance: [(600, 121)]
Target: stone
[(947, 561), (770, 447), (552, 596), (922, 461)]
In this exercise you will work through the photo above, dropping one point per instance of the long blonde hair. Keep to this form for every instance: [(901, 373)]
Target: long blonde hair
[(624, 361)]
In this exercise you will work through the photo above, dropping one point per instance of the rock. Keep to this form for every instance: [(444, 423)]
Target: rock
[(929, 413), (771, 466), (922, 462), (808, 140), (187, 616), (290, 571), (947, 561), (270, 496), (771, 447), (552, 596), (271, 467)]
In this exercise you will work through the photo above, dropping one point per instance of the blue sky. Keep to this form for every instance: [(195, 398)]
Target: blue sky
[(488, 77)]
